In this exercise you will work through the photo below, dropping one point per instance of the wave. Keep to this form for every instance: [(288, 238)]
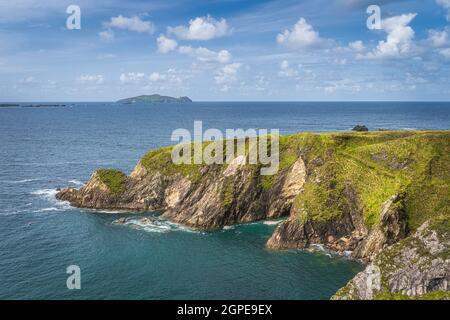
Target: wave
[(12, 213), (329, 253), (50, 196), (47, 193), (48, 209), (152, 224), (20, 181), (76, 182), (272, 222)]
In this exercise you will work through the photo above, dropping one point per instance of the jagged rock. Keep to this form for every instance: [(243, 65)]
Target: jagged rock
[(221, 197), (416, 267)]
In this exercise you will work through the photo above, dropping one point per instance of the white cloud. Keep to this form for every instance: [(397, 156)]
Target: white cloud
[(301, 36), (399, 41), (439, 38), (228, 73), (286, 71), (201, 28), (206, 55), (95, 78), (169, 76), (357, 46), (346, 85), (165, 44), (445, 53), (29, 79), (132, 77), (132, 24), (106, 35), (446, 5), (156, 76)]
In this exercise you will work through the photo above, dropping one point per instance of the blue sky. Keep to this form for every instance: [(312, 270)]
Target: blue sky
[(225, 50)]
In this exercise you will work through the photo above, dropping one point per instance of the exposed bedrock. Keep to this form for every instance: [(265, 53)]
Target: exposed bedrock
[(358, 193)]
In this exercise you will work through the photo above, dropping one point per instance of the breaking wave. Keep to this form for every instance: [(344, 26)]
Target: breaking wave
[(151, 224)]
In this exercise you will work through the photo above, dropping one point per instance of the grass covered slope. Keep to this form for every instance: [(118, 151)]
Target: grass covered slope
[(113, 179), (376, 166)]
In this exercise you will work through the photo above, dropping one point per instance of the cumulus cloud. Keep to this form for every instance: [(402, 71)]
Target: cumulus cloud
[(132, 77), (445, 53), (92, 79), (399, 41), (357, 46), (141, 78), (165, 44), (206, 55), (439, 38), (201, 28), (302, 35), (28, 80), (446, 5), (106, 35), (135, 24), (156, 76), (228, 73), (286, 70), (347, 85)]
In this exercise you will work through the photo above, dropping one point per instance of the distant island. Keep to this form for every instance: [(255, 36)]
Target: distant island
[(154, 98), (17, 105)]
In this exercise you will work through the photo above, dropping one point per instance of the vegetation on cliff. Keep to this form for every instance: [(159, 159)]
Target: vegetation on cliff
[(113, 179), (376, 165), (374, 194)]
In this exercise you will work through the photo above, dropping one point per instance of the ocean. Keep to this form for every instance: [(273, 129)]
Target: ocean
[(42, 149)]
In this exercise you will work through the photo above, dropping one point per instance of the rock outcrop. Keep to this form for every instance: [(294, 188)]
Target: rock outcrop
[(219, 195), (417, 267), (365, 194)]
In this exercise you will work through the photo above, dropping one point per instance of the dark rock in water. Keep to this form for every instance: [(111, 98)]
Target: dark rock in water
[(120, 221), (360, 128)]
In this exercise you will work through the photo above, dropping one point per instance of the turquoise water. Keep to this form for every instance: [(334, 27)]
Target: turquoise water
[(46, 148)]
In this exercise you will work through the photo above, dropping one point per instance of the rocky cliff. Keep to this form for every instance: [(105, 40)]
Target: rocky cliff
[(361, 193)]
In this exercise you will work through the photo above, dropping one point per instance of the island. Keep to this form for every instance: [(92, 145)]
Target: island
[(154, 98), (16, 105), (380, 197)]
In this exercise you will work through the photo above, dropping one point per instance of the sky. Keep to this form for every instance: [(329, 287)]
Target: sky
[(225, 50)]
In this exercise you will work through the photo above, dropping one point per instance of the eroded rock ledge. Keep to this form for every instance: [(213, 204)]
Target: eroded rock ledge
[(371, 194)]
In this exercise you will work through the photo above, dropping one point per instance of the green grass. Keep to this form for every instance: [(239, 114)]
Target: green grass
[(413, 163), (114, 179), (161, 160)]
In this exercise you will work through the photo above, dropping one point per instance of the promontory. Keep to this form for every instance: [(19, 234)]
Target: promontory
[(381, 197)]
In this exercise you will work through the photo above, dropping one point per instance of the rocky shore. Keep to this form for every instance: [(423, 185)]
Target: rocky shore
[(383, 196)]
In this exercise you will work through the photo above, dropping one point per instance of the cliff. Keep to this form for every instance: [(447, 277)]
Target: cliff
[(369, 194), (154, 98)]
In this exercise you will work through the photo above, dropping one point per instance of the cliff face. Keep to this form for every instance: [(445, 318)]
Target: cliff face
[(202, 197), (359, 192), (417, 267)]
